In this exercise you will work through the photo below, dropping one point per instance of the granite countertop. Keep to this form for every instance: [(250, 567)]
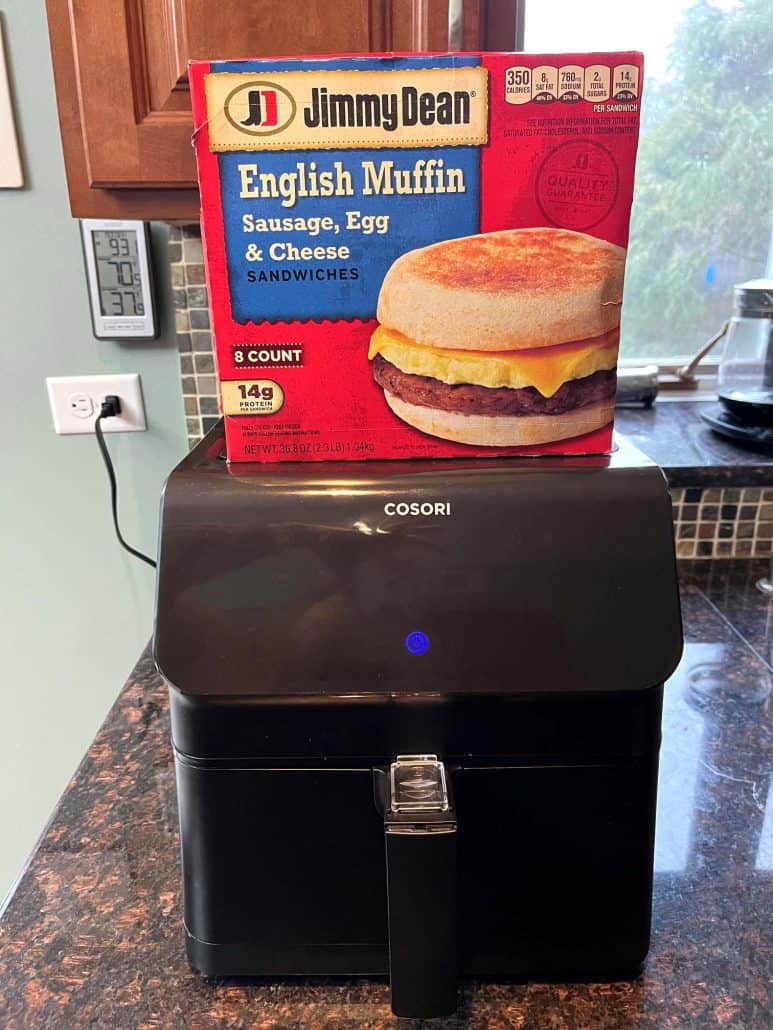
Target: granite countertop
[(93, 935), (673, 434)]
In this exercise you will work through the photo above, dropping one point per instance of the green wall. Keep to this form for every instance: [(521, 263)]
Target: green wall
[(76, 610)]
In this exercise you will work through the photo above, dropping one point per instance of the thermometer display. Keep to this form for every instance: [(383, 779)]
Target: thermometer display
[(119, 271)]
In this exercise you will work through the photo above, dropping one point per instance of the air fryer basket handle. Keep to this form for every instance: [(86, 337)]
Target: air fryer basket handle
[(421, 888)]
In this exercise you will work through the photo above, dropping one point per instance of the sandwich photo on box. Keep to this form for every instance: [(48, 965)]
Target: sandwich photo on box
[(504, 339)]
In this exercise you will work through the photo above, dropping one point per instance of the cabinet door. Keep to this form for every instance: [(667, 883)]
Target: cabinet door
[(122, 87)]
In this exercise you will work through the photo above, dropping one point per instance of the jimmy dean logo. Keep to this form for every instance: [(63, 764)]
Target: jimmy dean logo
[(388, 110), (259, 108), (323, 110), (263, 108)]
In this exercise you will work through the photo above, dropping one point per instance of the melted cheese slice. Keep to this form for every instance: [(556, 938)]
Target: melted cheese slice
[(545, 368)]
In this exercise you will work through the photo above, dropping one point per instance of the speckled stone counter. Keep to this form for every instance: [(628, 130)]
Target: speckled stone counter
[(691, 454), (92, 936)]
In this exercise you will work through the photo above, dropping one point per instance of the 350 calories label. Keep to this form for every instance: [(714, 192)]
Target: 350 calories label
[(518, 85), (570, 83)]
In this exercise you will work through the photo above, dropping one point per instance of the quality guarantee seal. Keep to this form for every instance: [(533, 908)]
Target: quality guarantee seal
[(577, 185)]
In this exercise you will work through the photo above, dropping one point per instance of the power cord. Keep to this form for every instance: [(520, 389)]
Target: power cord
[(111, 406)]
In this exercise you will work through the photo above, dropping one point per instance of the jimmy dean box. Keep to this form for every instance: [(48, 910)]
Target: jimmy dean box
[(416, 256)]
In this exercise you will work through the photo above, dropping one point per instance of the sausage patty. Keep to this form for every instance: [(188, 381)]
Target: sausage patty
[(485, 400)]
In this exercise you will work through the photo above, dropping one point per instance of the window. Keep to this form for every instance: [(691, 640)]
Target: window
[(701, 219)]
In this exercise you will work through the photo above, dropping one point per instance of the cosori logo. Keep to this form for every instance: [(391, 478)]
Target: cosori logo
[(417, 508), (335, 109), (259, 108)]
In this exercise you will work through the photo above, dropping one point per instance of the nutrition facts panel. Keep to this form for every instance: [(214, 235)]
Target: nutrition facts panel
[(571, 83)]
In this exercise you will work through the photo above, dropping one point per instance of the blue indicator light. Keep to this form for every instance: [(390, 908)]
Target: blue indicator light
[(417, 642)]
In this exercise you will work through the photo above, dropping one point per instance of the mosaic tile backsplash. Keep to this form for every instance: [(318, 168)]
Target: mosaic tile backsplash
[(714, 522), (194, 336), (709, 522)]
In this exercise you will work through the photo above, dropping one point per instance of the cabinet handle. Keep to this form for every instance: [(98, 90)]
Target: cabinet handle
[(455, 24), (419, 25)]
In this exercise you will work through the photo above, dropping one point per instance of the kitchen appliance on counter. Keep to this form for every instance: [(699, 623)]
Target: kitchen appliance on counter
[(416, 714), (745, 375)]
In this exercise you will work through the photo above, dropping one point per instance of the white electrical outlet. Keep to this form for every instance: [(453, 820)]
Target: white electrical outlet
[(75, 402)]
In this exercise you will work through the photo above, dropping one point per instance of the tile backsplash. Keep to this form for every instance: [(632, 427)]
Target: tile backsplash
[(194, 335), (709, 522), (723, 522)]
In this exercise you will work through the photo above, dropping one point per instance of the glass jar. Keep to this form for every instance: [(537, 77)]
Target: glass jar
[(745, 376)]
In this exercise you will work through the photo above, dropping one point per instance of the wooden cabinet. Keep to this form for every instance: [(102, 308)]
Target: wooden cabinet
[(122, 88)]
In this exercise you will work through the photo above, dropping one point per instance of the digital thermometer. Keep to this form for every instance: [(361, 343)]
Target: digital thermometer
[(119, 275)]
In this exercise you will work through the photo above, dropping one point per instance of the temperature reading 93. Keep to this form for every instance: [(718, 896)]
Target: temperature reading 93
[(117, 259)]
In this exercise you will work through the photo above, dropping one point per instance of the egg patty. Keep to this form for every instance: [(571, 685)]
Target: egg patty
[(546, 369)]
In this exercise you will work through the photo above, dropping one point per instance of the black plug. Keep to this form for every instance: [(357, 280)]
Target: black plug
[(111, 406)]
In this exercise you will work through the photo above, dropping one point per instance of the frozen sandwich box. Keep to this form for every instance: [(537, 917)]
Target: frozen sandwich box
[(416, 256)]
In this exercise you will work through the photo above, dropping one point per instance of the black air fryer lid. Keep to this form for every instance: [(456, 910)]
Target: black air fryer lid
[(301, 580)]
